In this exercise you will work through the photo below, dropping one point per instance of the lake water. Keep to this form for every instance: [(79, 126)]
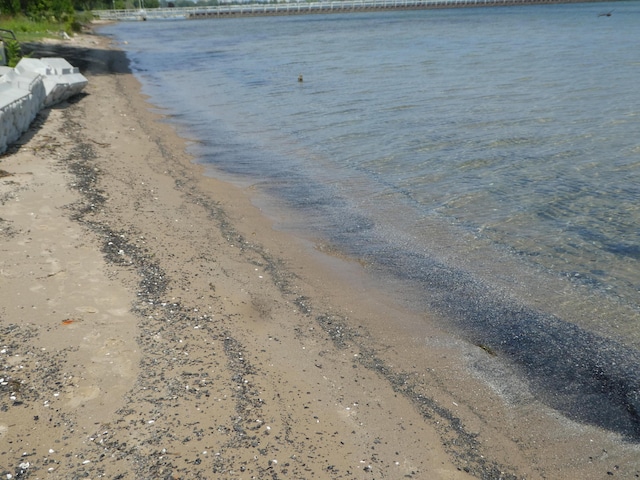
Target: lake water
[(483, 163)]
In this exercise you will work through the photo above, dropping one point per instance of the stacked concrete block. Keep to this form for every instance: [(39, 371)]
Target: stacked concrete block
[(21, 98), (61, 79), (31, 86)]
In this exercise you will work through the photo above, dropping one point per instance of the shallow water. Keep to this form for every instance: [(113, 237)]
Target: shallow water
[(485, 163)]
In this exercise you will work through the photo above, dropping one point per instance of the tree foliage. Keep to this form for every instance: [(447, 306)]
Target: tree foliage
[(59, 10), (66, 10)]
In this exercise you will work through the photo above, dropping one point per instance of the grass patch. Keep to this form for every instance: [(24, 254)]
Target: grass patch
[(28, 30), (32, 30)]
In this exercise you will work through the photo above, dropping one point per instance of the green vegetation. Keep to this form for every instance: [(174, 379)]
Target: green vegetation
[(31, 14), (13, 52), (34, 19), (27, 29)]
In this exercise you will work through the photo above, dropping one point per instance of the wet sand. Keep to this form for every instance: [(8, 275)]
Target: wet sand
[(154, 325)]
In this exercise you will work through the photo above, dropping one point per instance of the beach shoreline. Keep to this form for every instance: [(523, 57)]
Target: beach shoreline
[(155, 325)]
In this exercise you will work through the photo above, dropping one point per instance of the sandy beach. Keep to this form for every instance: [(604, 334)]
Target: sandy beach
[(153, 325)]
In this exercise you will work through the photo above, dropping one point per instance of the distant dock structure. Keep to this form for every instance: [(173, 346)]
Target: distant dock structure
[(307, 7)]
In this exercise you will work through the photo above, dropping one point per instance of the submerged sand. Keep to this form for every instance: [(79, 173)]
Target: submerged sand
[(154, 325)]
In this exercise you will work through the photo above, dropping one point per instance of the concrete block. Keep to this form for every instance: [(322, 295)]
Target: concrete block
[(33, 65), (33, 84), (60, 66)]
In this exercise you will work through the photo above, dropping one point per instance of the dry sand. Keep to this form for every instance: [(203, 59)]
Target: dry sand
[(154, 326)]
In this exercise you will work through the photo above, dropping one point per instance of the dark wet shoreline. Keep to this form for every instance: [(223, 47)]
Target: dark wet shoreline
[(585, 376)]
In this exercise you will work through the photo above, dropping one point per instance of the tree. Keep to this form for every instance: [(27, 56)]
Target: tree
[(10, 7), (59, 10)]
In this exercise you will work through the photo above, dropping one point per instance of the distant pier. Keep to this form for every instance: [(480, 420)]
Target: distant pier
[(302, 8)]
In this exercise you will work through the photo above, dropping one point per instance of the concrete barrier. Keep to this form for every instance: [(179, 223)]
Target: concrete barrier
[(34, 84)]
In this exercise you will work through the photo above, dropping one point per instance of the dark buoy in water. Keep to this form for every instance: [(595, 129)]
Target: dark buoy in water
[(300, 79)]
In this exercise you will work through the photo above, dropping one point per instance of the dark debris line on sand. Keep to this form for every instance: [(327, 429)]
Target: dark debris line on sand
[(170, 380), (589, 378), (462, 445), (20, 391), (165, 370)]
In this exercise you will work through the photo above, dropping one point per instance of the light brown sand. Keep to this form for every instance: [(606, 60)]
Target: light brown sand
[(153, 325)]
